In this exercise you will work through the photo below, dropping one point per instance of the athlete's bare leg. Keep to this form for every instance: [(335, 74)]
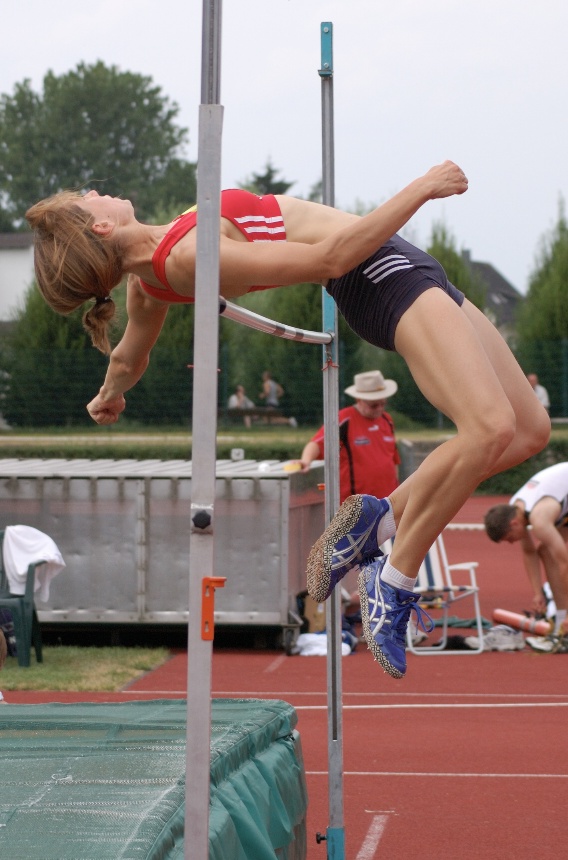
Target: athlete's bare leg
[(465, 369)]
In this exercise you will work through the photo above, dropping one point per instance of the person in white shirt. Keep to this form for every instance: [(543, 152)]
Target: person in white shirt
[(542, 505), (3, 655), (539, 390), (239, 400)]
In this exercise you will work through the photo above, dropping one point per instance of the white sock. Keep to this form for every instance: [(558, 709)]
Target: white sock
[(394, 577), (387, 526), (559, 620)]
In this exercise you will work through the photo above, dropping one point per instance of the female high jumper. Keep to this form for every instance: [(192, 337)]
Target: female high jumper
[(391, 294)]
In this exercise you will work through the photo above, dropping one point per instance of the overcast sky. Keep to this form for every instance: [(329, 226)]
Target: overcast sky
[(482, 82)]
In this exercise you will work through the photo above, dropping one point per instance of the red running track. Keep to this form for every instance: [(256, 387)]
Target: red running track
[(463, 758)]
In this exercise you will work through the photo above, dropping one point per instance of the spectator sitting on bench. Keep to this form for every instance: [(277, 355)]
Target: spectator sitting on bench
[(239, 400)]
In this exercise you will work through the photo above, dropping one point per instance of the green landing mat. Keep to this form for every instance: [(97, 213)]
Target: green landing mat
[(107, 781)]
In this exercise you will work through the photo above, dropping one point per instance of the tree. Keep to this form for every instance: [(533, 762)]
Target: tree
[(51, 373), (544, 314), (49, 370), (542, 323), (164, 394), (6, 222), (96, 127), (315, 194), (266, 183), (443, 248)]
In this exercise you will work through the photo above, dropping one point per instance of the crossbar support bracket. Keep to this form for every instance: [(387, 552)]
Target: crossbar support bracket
[(208, 586)]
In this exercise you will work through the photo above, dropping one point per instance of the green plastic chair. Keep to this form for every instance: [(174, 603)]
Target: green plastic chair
[(22, 607)]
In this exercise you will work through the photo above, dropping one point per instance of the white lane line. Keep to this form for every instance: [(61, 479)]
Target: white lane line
[(323, 694), (262, 694), (276, 663), (375, 773), (376, 829), (466, 705), (169, 692), (465, 527)]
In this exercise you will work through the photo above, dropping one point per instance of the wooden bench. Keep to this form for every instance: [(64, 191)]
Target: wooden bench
[(266, 414)]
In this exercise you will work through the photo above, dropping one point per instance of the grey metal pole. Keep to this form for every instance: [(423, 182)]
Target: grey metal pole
[(202, 582), (335, 834)]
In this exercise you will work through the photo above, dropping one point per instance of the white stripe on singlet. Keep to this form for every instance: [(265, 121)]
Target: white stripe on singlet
[(259, 224)]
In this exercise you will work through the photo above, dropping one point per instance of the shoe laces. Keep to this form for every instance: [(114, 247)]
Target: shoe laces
[(398, 616), (423, 619)]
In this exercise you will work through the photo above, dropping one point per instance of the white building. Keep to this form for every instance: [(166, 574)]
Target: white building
[(16, 271)]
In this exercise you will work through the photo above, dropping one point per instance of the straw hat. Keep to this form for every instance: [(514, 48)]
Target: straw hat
[(371, 386)]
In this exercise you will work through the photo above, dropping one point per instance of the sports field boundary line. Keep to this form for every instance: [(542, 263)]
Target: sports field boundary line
[(442, 774), (392, 706), (377, 694), (439, 706)]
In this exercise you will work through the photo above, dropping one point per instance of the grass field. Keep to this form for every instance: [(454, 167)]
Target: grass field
[(79, 668), (274, 443)]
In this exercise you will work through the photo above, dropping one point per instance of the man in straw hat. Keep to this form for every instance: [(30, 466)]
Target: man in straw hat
[(368, 458)]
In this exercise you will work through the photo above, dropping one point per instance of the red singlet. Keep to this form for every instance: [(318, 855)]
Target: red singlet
[(259, 219)]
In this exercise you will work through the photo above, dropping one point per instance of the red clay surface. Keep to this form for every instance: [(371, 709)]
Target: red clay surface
[(463, 758)]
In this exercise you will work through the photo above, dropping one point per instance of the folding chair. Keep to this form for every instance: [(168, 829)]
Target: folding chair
[(22, 608), (440, 590)]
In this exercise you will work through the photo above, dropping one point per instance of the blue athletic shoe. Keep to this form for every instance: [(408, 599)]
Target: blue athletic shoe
[(351, 537), (385, 612)]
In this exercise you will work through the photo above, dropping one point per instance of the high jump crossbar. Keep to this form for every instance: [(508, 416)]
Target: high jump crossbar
[(268, 326)]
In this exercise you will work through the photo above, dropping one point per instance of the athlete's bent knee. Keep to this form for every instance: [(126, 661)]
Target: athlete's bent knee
[(492, 439), (540, 433)]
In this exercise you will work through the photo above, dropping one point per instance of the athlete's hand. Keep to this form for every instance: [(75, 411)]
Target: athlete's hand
[(106, 411), (446, 179)]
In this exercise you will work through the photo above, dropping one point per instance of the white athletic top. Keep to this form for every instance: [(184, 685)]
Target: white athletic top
[(552, 481)]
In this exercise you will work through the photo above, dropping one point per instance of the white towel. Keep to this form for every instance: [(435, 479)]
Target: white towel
[(315, 645), (23, 545)]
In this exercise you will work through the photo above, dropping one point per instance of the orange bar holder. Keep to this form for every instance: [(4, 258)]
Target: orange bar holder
[(208, 586)]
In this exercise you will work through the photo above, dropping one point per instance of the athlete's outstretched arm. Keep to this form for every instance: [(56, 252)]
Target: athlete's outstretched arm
[(244, 265), (129, 359)]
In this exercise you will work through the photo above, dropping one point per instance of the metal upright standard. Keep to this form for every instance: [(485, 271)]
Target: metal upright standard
[(335, 834), (202, 582)]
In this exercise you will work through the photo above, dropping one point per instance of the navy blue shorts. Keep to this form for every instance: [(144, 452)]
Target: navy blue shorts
[(373, 297)]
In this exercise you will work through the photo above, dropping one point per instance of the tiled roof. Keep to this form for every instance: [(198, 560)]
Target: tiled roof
[(501, 297)]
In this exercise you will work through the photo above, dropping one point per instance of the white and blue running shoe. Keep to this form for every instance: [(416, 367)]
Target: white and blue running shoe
[(385, 612), (350, 538)]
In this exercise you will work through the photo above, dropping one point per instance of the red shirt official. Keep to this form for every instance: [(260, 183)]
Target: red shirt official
[(368, 456)]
